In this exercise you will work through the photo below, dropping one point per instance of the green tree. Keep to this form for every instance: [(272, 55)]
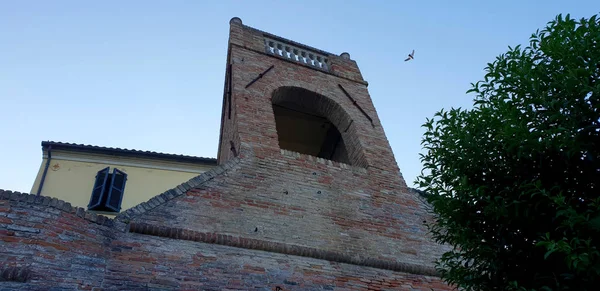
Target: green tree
[(514, 182)]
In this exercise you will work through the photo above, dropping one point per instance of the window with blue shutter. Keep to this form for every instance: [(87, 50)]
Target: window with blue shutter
[(99, 188), (108, 190), (115, 192)]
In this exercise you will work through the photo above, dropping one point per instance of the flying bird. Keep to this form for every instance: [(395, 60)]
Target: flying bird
[(411, 56)]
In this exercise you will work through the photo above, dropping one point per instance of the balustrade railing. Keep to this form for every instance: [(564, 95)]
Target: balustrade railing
[(296, 54)]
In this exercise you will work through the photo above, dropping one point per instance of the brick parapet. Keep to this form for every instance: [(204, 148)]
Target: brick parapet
[(58, 204)]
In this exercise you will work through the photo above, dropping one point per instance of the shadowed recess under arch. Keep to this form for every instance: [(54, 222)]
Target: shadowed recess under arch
[(310, 123)]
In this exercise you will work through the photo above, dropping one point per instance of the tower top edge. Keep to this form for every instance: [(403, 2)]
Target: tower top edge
[(238, 21)]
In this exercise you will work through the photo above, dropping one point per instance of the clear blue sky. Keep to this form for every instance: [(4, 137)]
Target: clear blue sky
[(148, 75)]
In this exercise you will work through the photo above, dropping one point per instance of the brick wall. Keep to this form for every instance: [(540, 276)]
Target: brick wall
[(185, 265), (306, 201), (67, 248), (64, 246)]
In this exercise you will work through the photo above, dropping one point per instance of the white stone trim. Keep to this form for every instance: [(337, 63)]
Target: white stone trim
[(296, 54)]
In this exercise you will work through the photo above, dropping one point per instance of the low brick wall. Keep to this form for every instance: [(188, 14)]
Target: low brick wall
[(67, 248), (64, 247), (303, 201), (160, 263)]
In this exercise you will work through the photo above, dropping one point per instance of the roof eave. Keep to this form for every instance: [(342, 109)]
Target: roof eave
[(127, 153)]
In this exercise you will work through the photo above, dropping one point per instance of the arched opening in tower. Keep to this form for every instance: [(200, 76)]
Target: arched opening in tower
[(303, 126)]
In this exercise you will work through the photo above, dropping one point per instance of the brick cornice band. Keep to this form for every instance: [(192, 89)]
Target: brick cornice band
[(277, 247)]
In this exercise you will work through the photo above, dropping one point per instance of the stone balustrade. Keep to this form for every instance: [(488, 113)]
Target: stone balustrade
[(295, 53)]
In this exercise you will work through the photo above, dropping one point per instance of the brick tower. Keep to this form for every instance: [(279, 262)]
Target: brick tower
[(280, 95), (303, 122), (307, 195)]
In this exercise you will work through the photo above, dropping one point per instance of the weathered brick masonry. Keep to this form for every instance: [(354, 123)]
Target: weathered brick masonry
[(266, 218)]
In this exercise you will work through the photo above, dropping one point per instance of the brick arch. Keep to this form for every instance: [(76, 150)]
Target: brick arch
[(317, 104)]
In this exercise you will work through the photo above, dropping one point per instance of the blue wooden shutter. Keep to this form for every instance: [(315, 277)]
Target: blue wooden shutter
[(115, 192), (99, 186)]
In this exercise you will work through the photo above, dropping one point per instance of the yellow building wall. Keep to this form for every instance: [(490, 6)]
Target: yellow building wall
[(72, 181)]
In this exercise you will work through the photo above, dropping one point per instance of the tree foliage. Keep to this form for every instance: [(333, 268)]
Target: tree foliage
[(514, 182)]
